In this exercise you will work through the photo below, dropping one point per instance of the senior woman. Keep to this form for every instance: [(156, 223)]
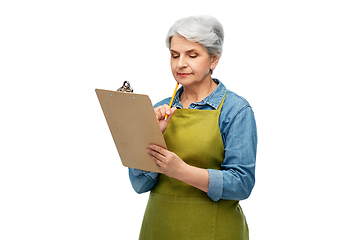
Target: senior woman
[(211, 138)]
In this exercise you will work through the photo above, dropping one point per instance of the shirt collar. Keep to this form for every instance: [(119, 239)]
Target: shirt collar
[(213, 99)]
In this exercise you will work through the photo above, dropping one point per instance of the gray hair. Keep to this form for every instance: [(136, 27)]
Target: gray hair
[(205, 30)]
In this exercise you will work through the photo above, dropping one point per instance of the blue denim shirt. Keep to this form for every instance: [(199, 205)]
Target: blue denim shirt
[(236, 178)]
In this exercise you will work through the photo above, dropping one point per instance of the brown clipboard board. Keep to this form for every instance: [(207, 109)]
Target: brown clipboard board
[(133, 126)]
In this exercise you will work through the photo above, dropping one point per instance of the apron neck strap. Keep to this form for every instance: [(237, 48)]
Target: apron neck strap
[(222, 102)]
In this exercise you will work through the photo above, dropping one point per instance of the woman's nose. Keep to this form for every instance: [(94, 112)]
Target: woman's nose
[(182, 62)]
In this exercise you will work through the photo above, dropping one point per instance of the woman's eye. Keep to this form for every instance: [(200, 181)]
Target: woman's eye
[(174, 56), (193, 56)]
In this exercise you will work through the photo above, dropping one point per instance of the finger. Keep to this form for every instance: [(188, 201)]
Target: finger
[(158, 113), (167, 109), (161, 111), (156, 156), (172, 111), (160, 150), (157, 161)]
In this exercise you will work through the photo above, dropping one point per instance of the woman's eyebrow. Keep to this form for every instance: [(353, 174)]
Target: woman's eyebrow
[(173, 51), (194, 50), (188, 51)]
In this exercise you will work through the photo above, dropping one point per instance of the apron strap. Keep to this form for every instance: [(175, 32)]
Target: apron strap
[(222, 102)]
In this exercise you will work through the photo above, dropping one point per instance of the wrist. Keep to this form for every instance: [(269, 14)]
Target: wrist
[(194, 176), (182, 171)]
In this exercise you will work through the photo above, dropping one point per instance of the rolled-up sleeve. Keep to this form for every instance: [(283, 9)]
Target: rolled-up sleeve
[(142, 181), (236, 178), (215, 184)]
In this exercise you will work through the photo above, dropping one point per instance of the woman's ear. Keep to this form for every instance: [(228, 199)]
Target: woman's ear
[(214, 59)]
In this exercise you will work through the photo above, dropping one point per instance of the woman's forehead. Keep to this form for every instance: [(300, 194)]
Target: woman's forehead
[(181, 44)]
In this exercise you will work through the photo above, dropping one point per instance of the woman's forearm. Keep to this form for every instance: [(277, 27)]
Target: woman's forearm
[(196, 177), (173, 166)]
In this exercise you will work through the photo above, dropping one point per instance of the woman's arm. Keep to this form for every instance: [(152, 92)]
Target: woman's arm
[(237, 178), (173, 166), (143, 181)]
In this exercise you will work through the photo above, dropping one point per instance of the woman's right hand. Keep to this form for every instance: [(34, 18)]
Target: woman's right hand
[(161, 112)]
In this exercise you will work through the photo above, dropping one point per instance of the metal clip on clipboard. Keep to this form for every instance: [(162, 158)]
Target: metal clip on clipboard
[(126, 87)]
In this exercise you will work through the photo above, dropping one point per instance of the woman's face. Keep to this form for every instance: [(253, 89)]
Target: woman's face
[(190, 62)]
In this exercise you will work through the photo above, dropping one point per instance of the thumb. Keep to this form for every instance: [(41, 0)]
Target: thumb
[(172, 111)]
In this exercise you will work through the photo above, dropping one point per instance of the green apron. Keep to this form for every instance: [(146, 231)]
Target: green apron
[(178, 211)]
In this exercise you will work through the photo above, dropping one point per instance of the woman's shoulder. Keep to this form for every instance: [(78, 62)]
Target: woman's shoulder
[(234, 101), (235, 114)]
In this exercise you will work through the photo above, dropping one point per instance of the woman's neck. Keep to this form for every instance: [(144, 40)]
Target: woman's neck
[(196, 93)]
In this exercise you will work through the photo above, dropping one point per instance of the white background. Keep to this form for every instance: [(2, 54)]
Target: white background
[(296, 62)]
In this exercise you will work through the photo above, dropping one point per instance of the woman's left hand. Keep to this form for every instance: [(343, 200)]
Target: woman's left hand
[(167, 162)]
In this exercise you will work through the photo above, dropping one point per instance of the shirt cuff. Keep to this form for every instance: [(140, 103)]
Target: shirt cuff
[(216, 184), (140, 173)]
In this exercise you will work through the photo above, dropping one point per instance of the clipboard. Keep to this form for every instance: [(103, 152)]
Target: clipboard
[(133, 125)]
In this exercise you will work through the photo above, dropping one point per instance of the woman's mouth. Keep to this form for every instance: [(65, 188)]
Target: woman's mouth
[(183, 74)]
